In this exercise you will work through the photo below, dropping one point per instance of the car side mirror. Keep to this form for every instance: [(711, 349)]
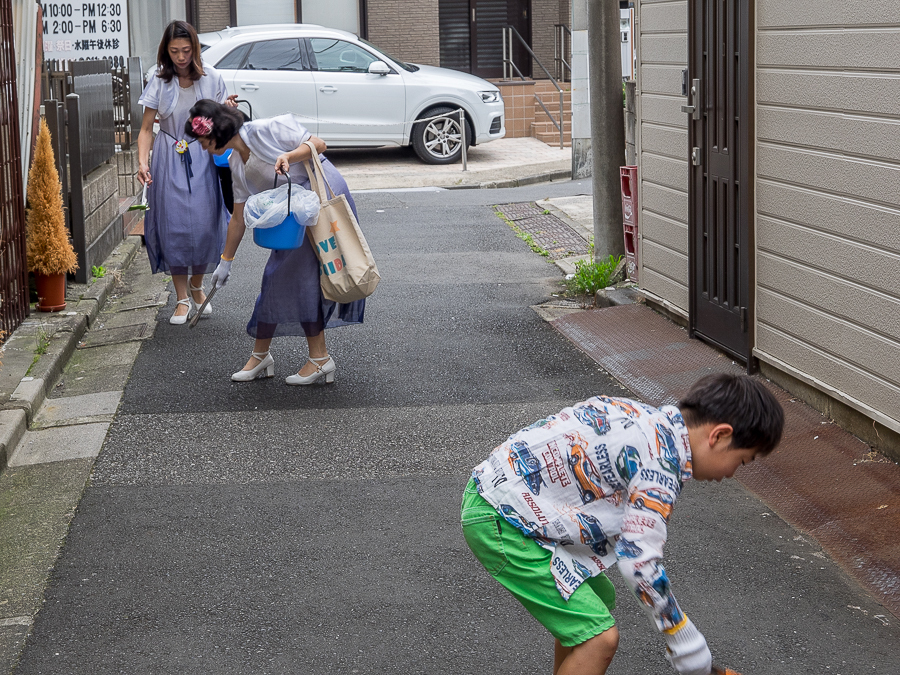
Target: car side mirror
[(379, 68)]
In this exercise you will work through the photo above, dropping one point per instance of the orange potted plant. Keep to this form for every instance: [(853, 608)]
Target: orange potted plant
[(50, 254)]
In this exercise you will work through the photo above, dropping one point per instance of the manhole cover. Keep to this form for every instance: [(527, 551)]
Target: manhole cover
[(111, 336)]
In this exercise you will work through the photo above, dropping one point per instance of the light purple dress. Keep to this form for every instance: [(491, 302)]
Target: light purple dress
[(290, 301), (185, 225)]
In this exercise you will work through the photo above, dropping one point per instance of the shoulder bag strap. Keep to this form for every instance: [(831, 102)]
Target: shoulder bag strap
[(319, 171)]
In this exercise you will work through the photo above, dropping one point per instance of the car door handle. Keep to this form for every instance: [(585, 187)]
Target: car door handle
[(249, 87), (328, 89)]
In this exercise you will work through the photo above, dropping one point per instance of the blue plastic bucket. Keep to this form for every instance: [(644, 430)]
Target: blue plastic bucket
[(222, 160), (282, 237), (289, 234)]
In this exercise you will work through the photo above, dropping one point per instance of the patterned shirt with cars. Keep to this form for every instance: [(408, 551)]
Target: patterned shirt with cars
[(595, 484)]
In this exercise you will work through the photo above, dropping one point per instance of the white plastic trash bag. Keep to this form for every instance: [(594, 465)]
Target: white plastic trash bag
[(270, 208)]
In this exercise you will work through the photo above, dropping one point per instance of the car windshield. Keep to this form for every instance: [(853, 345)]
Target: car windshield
[(406, 66)]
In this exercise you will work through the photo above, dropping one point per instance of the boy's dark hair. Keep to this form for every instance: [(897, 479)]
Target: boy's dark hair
[(226, 121), (741, 401), (174, 31)]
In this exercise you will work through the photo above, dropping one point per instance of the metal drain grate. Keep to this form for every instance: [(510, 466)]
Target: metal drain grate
[(546, 230)]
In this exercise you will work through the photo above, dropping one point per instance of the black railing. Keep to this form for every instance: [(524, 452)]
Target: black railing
[(562, 52), (13, 268)]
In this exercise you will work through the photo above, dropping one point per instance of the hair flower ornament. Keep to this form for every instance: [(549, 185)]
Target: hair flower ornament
[(181, 147), (202, 126)]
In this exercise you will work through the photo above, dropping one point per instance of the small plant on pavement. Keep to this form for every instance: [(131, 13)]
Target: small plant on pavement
[(41, 348), (591, 276), (98, 271)]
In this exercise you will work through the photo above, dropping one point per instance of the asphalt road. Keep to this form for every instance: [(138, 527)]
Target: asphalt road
[(260, 528)]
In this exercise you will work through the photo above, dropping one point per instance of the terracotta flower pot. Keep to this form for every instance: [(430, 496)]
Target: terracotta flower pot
[(51, 290)]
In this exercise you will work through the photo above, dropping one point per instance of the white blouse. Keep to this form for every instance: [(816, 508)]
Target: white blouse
[(267, 139)]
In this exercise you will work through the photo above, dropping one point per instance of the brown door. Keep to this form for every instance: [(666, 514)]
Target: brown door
[(719, 137)]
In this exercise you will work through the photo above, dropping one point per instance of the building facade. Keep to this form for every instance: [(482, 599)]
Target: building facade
[(770, 190), (460, 34)]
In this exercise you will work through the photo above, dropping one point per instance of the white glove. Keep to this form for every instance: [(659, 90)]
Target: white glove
[(687, 652), (223, 271)]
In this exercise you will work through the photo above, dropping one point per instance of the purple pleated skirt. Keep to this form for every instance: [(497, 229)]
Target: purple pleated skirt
[(184, 228), (290, 301)]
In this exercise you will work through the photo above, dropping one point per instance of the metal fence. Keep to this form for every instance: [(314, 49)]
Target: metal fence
[(90, 106), (92, 81), (13, 270), (128, 83), (119, 78)]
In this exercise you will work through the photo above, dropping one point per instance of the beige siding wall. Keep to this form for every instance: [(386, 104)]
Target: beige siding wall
[(662, 149), (406, 30), (828, 197)]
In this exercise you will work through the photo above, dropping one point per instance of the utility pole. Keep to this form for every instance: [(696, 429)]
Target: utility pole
[(607, 125)]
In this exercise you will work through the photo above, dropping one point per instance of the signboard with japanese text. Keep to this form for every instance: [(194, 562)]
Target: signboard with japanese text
[(85, 30)]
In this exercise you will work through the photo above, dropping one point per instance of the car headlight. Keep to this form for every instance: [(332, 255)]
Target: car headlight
[(490, 96)]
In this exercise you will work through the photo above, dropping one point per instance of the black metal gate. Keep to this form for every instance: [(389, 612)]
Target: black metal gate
[(13, 270), (721, 192)]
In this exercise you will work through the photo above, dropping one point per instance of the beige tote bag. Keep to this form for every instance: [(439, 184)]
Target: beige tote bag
[(347, 270)]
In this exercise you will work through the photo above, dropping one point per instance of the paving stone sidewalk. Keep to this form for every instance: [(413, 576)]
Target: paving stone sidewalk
[(61, 382)]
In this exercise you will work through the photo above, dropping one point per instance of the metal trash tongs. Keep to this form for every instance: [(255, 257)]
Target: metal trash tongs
[(199, 313), (142, 205)]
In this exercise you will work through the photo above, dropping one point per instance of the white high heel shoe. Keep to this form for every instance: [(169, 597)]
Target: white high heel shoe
[(176, 320), (206, 310), (325, 367), (265, 368)]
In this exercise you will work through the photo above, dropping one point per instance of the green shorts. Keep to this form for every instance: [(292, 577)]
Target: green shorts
[(523, 568)]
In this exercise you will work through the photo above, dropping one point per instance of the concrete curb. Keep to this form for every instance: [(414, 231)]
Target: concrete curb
[(546, 177), (34, 381)]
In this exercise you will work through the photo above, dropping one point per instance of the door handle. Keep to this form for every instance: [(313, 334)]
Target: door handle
[(694, 109), (328, 89), (249, 87)]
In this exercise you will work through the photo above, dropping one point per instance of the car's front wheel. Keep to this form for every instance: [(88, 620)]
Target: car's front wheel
[(439, 141)]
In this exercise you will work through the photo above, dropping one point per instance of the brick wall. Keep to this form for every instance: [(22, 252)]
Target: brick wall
[(407, 30), (544, 14), (212, 15)]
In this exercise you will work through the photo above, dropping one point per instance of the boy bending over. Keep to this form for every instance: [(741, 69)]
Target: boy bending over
[(569, 496)]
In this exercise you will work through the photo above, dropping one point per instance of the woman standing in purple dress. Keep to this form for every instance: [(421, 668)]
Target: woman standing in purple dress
[(290, 301), (184, 228)]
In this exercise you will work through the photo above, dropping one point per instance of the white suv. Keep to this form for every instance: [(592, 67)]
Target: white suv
[(352, 94)]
